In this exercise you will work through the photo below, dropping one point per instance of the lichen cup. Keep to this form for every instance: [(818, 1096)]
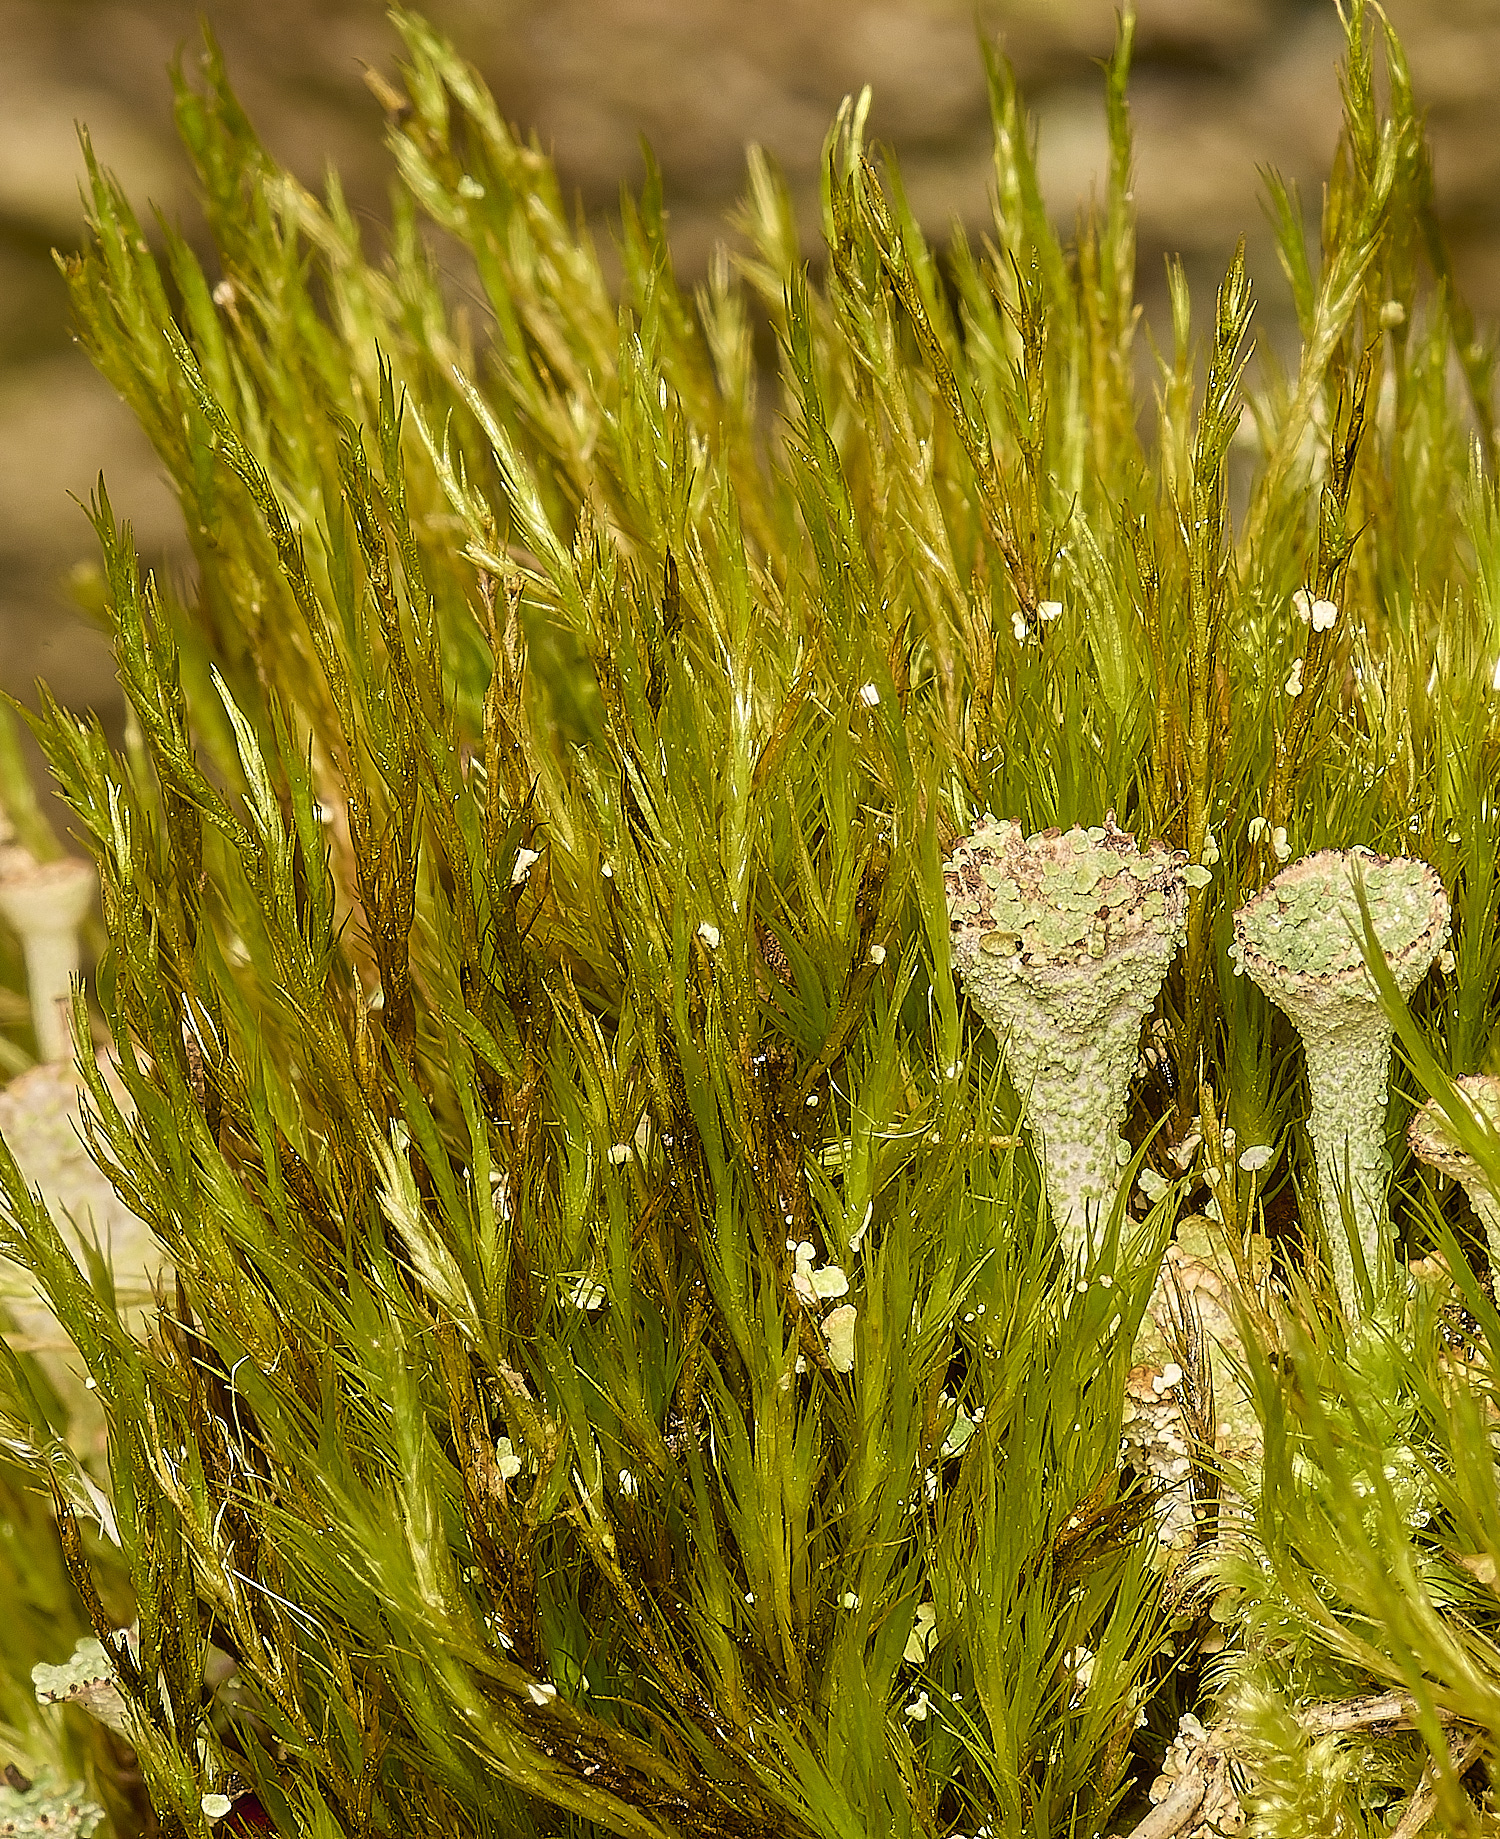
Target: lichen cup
[(1433, 1142), (1061, 941), (1300, 938)]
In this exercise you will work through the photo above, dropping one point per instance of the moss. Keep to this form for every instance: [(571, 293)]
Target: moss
[(488, 601)]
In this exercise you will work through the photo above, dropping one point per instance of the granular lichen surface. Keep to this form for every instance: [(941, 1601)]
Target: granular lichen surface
[(1076, 892), (1307, 919), (1062, 940)]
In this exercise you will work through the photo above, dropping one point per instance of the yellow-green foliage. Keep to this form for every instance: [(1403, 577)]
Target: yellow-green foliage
[(527, 932)]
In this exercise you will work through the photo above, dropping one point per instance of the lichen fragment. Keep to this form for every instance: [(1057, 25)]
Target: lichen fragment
[(1432, 1139), (47, 1807)]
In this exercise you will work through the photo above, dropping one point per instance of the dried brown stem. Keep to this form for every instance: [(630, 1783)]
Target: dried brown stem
[(1394, 1708)]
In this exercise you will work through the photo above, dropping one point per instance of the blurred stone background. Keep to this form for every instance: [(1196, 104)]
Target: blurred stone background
[(1221, 88)]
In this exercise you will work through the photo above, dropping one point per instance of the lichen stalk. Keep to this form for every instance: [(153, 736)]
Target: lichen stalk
[(1061, 941), (1299, 938), (1348, 1078), (45, 904)]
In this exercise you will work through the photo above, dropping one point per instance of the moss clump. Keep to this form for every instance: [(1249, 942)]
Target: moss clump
[(531, 972)]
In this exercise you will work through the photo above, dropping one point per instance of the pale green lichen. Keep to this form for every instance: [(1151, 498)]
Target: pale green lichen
[(1432, 1140), (32, 1809), (87, 1678), (1309, 922), (1300, 938), (1061, 941), (45, 904)]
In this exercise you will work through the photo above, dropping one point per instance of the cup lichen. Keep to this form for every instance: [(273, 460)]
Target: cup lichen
[(1299, 939), (1061, 941), (1433, 1142)]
